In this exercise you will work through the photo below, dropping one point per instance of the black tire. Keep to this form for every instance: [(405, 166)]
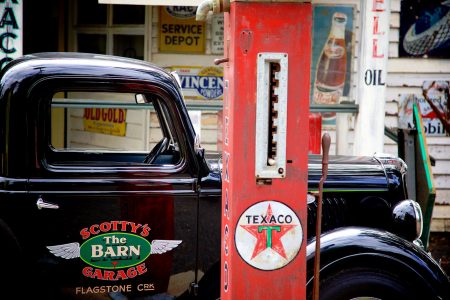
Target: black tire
[(364, 282)]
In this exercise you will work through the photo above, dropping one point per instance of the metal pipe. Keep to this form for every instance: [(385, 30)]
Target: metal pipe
[(326, 141), (216, 6)]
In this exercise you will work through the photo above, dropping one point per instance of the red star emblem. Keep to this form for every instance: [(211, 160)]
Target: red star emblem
[(268, 234)]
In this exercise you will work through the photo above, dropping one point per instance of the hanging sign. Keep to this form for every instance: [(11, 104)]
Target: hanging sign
[(110, 121), (179, 32), (201, 83), (10, 31)]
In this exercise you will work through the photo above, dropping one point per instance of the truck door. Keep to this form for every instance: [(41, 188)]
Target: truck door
[(113, 192)]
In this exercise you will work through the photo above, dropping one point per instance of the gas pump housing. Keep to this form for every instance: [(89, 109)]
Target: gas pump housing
[(266, 111)]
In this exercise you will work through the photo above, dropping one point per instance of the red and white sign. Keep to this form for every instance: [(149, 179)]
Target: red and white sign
[(268, 235), (431, 123)]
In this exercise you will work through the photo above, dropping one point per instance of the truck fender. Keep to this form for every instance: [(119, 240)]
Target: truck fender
[(381, 251)]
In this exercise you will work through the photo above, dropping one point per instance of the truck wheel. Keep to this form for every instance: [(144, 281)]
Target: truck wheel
[(363, 283)]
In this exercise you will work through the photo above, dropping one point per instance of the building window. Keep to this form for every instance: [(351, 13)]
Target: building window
[(108, 29)]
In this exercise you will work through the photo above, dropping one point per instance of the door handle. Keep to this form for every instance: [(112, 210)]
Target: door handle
[(42, 204)]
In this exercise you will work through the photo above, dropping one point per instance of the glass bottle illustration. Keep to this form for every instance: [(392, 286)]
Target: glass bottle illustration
[(332, 64)]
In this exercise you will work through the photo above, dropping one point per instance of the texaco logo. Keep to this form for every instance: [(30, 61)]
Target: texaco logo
[(268, 235)]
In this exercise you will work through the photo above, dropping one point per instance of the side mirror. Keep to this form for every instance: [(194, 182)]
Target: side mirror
[(200, 153), (140, 99)]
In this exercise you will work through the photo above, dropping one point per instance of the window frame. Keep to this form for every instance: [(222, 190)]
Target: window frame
[(109, 29), (55, 160)]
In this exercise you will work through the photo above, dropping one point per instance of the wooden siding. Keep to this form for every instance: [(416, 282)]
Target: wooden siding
[(406, 75)]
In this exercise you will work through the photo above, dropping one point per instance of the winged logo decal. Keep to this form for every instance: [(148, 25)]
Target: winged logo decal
[(114, 250), (67, 251), (72, 250), (163, 246)]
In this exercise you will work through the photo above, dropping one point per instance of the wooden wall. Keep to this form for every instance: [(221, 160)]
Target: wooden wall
[(406, 75)]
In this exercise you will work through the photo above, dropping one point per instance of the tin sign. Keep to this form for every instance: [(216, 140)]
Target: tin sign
[(431, 123), (201, 83), (268, 235), (179, 31)]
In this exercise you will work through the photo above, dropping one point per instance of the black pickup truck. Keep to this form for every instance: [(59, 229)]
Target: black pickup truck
[(105, 193)]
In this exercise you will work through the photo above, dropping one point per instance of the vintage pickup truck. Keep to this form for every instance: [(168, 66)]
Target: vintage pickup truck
[(105, 193)]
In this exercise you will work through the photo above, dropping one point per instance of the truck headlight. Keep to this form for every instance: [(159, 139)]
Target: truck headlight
[(407, 220)]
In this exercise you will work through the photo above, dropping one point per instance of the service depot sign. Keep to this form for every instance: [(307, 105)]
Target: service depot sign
[(179, 32), (200, 83), (10, 31), (268, 235)]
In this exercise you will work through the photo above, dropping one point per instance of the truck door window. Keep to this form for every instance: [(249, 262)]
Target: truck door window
[(98, 126)]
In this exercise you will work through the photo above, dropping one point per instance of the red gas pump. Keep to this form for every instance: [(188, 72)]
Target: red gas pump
[(265, 111)]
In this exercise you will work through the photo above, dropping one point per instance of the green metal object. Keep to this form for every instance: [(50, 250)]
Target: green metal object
[(425, 187)]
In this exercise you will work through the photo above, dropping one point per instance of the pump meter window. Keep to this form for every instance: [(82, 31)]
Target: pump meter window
[(95, 126)]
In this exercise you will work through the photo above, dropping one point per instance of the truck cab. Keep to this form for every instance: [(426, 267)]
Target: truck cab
[(105, 191)]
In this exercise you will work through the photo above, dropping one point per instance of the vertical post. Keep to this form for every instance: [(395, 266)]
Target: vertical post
[(326, 141), (265, 149), (374, 52)]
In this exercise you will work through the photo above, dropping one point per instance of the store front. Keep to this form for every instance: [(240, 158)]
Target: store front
[(170, 38)]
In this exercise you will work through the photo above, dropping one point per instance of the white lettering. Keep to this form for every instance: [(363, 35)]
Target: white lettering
[(97, 250)]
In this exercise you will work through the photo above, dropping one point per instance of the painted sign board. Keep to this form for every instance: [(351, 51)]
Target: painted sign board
[(332, 50), (11, 34), (200, 83), (179, 32)]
